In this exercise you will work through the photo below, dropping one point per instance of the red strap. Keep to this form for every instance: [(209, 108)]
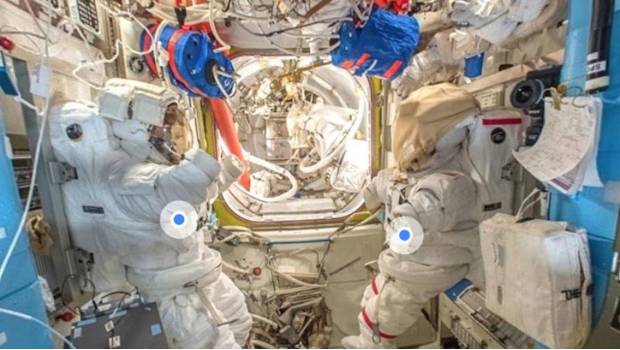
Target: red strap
[(381, 3), (348, 64), (373, 285), (150, 58), (501, 121), (371, 325), (363, 58), (393, 68), (173, 67)]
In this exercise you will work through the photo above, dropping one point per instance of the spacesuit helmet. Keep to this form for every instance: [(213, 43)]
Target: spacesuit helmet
[(149, 120), (430, 123), (172, 139)]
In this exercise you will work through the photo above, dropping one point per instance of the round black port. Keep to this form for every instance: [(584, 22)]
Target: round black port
[(136, 64), (74, 131), (527, 93)]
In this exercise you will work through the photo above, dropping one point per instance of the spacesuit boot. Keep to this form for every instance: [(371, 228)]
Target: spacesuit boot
[(434, 190), (366, 340)]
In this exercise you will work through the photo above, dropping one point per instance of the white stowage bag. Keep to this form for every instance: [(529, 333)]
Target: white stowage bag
[(538, 278)]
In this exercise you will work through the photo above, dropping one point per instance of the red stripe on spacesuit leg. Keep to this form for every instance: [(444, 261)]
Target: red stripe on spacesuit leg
[(373, 285), (371, 325), (502, 121)]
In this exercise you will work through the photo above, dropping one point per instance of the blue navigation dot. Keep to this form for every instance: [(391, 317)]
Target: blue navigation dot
[(404, 235), (179, 219)]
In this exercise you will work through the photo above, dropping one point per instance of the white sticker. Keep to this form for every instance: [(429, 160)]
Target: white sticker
[(597, 67), (40, 81), (8, 147), (593, 56), (3, 338), (2, 233), (105, 307), (109, 326), (114, 342)]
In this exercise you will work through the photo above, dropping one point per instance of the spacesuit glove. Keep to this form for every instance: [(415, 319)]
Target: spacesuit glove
[(232, 168), (408, 82), (205, 162), (375, 193)]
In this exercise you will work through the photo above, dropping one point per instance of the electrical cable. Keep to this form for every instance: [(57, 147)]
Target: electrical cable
[(114, 293), (216, 75), (19, 32), (332, 20), (34, 18), (62, 291), (342, 229), (30, 39), (118, 44), (225, 46), (39, 322), (296, 53), (35, 163), (523, 207)]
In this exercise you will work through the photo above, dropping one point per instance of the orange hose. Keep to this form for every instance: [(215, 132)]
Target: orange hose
[(226, 125)]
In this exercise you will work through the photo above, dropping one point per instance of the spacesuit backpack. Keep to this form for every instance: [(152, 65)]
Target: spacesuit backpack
[(493, 136)]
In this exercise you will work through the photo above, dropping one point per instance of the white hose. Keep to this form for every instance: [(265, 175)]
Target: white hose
[(276, 169), (295, 280), (235, 268), (264, 320), (263, 344), (225, 45)]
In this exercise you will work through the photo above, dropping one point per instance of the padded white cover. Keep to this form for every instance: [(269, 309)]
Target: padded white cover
[(530, 269)]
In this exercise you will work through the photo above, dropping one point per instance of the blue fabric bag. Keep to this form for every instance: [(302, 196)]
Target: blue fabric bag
[(381, 48)]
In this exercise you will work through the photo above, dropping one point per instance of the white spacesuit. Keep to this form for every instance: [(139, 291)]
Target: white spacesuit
[(127, 170), (483, 26), (434, 188)]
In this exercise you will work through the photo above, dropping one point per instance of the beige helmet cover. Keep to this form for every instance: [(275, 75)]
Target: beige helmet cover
[(424, 117)]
